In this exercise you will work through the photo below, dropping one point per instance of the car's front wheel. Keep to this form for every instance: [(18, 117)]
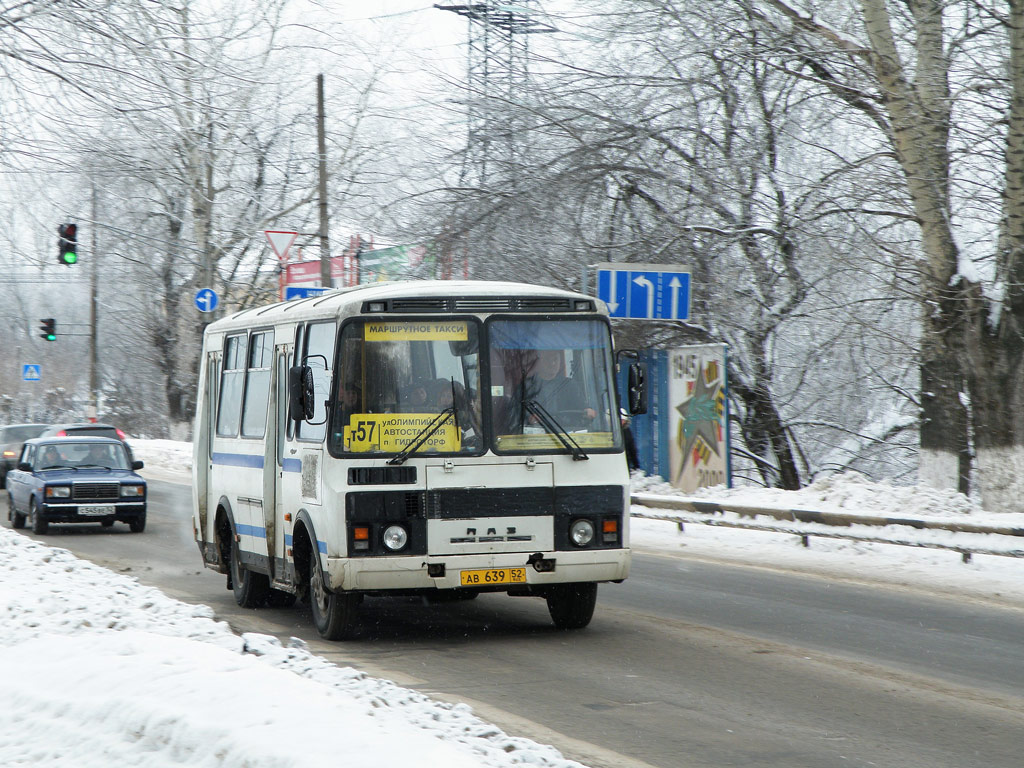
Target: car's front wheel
[(17, 520), (39, 523), (137, 524)]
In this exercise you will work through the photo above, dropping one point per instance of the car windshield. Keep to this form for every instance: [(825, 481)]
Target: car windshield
[(80, 455), (551, 378), (404, 382)]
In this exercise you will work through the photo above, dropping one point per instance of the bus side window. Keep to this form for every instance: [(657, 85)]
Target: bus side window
[(232, 379), (319, 343), (257, 385)]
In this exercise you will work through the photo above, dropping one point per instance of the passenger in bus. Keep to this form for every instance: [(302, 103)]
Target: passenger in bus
[(349, 402), (416, 397)]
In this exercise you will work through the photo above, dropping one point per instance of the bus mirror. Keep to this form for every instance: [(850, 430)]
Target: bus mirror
[(637, 388), (300, 393)]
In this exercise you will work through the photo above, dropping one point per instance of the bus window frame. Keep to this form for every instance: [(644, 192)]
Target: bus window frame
[(554, 450), (301, 355), (243, 334), (365, 318), (253, 332)]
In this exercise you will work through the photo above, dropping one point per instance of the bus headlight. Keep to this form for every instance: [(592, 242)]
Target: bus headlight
[(395, 537), (581, 532)]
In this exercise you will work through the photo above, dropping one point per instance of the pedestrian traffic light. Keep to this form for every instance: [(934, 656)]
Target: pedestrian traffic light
[(68, 243), (48, 326)]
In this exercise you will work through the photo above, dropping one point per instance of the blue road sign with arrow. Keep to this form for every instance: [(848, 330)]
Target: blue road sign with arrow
[(206, 300), (645, 291)]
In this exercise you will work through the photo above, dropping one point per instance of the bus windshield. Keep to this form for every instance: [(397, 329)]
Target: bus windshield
[(551, 377), (399, 378)]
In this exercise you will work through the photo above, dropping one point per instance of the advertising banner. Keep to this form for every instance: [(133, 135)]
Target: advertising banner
[(698, 412)]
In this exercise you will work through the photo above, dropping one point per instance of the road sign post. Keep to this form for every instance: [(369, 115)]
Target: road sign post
[(645, 291)]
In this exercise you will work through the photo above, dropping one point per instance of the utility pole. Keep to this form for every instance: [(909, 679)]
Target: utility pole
[(321, 149), (94, 374)]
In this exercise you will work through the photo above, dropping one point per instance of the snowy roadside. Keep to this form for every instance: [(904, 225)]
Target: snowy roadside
[(97, 670)]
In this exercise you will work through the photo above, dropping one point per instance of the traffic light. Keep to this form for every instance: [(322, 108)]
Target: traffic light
[(68, 244), (48, 326)]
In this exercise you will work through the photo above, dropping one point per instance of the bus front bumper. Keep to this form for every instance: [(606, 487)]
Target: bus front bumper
[(446, 571)]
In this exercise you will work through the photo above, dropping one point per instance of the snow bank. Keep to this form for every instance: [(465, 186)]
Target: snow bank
[(98, 670)]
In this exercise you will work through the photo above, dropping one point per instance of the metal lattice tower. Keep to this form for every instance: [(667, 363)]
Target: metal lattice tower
[(497, 73)]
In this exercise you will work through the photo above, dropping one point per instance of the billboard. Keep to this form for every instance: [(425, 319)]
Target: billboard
[(697, 417)]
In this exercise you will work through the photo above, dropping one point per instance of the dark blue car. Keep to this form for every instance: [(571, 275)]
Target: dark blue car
[(75, 480)]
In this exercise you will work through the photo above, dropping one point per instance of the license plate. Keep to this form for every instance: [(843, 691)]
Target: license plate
[(493, 576), (98, 511)]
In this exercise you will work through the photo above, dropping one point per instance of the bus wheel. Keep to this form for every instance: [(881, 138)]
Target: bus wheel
[(250, 588), (334, 613), (572, 605)]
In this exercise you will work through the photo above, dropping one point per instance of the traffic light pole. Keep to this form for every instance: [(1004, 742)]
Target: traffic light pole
[(93, 410)]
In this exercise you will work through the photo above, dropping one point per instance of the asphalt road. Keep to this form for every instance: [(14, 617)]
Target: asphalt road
[(686, 664)]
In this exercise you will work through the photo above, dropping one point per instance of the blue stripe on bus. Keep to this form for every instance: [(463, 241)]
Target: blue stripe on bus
[(237, 460), (251, 530), (292, 465), (320, 545)]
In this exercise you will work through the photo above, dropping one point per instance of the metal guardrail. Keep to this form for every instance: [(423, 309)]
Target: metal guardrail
[(796, 522)]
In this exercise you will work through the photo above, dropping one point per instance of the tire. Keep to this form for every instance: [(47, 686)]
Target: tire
[(334, 613), (39, 524), (136, 524), (572, 605), (17, 520), (107, 523), (250, 588)]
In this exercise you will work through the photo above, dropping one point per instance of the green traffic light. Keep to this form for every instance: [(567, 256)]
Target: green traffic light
[(70, 257), (51, 337)]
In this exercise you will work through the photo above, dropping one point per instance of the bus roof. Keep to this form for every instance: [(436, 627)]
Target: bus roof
[(410, 297)]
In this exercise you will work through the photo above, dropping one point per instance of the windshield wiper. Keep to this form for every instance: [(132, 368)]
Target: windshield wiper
[(552, 425), (424, 434)]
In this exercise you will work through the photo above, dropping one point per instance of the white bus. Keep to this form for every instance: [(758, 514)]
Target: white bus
[(441, 438)]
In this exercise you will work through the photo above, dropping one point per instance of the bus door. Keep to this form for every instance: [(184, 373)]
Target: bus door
[(279, 529)]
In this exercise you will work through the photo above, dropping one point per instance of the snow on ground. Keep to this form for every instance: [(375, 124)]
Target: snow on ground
[(99, 670)]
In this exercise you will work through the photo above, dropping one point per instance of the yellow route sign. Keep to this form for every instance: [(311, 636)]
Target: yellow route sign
[(418, 330), (391, 432)]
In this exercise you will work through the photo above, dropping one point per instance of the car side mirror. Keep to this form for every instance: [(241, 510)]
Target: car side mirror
[(138, 464), (300, 393), (637, 388), (24, 466)]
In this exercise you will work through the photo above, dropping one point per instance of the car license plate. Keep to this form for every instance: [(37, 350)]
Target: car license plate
[(493, 576), (99, 510)]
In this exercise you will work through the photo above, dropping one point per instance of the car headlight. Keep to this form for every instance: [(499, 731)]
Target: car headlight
[(395, 537), (581, 532), (133, 490), (58, 491)]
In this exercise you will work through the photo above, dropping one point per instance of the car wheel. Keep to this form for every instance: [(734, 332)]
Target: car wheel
[(250, 588), (17, 521), (107, 523), (39, 524), (572, 605), (334, 613), (136, 524)]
